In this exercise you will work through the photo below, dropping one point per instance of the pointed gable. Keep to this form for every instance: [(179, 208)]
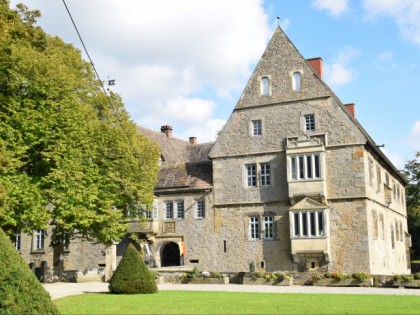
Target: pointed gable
[(307, 204), (283, 66)]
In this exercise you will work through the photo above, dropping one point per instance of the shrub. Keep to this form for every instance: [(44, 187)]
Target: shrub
[(342, 276), (132, 275), (194, 274), (20, 290), (397, 277), (260, 274), (216, 275), (361, 276), (280, 276), (251, 267), (417, 276), (317, 276), (328, 275), (407, 278)]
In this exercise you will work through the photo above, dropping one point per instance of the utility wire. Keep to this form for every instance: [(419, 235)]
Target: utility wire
[(97, 74)]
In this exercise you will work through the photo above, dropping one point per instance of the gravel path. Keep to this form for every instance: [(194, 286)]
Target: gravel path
[(62, 289)]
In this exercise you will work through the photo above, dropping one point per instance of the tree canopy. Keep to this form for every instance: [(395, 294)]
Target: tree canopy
[(412, 170), (69, 155)]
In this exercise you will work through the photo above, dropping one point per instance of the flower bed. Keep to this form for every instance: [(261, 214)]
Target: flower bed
[(407, 281), (267, 278), (205, 277), (224, 280), (329, 279)]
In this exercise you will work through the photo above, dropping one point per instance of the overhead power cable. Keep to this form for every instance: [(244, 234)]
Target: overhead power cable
[(97, 74)]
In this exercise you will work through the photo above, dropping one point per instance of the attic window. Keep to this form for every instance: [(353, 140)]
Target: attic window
[(297, 81), (265, 86)]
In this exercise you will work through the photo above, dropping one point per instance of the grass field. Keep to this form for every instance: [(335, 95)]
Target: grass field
[(195, 302)]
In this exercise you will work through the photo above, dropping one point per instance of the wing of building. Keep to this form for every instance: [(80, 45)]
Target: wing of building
[(293, 183)]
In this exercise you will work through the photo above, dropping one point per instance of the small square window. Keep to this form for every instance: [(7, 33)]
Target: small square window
[(309, 122), (256, 127)]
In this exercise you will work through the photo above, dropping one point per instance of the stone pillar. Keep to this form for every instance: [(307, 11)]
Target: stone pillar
[(110, 260)]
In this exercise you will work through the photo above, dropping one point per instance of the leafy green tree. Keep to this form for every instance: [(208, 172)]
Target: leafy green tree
[(69, 155), (132, 275), (412, 170), (20, 290)]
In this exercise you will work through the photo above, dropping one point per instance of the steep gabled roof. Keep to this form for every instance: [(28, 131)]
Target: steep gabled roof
[(185, 165), (279, 52)]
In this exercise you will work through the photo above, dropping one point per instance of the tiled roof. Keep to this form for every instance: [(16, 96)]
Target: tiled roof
[(185, 165)]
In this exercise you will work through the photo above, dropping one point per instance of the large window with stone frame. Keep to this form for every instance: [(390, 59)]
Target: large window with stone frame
[(200, 209), (305, 166), (174, 209), (308, 223), (252, 172), (39, 239), (264, 230)]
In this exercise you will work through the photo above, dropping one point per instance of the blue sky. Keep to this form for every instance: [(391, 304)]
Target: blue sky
[(186, 62)]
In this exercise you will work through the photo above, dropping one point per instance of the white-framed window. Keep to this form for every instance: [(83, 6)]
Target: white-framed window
[(155, 210), (296, 81), (180, 209), (268, 228), (147, 214), (174, 209), (309, 122), (169, 210), (254, 228), (18, 241), (309, 223), (256, 127), (265, 174), (305, 166), (39, 239), (265, 86), (201, 209), (251, 175)]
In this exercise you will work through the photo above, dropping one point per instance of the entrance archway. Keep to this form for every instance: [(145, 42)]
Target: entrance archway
[(170, 255)]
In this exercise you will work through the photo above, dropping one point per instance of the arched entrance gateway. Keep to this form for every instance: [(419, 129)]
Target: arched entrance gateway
[(170, 255)]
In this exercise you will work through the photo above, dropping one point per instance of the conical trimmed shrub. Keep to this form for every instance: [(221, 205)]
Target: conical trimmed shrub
[(20, 290), (132, 275)]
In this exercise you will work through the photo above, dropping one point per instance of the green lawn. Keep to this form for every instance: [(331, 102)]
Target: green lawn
[(198, 302)]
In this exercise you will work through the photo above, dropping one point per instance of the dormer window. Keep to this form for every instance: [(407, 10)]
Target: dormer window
[(265, 86)]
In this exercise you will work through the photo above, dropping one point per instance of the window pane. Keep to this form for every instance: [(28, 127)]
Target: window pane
[(169, 210), (265, 86), (308, 166), (317, 166), (268, 228), (256, 128), (180, 209), (200, 209), (265, 175), (304, 224), (254, 227), (312, 223), (301, 167), (294, 168), (251, 174), (296, 81), (297, 224), (321, 223)]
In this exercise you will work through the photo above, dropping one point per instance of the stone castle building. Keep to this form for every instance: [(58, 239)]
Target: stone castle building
[(293, 183)]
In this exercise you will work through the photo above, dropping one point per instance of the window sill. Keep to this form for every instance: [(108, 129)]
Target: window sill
[(38, 251), (308, 237)]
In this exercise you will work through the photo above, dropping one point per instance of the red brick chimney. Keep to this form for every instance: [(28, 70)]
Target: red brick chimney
[(351, 107), (316, 64), (167, 130), (193, 140)]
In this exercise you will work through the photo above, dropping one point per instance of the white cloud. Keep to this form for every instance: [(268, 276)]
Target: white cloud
[(284, 24), (405, 12), (166, 55), (339, 72), (414, 137), (334, 7), (385, 56)]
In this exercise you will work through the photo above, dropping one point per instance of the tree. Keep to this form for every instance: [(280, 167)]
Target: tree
[(132, 275), (412, 170), (69, 155), (20, 290)]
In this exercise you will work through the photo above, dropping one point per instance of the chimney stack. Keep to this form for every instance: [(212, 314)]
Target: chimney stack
[(167, 130), (351, 107), (193, 140), (316, 64)]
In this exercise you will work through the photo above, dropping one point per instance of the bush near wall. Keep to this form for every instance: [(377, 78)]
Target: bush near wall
[(132, 275), (20, 290)]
